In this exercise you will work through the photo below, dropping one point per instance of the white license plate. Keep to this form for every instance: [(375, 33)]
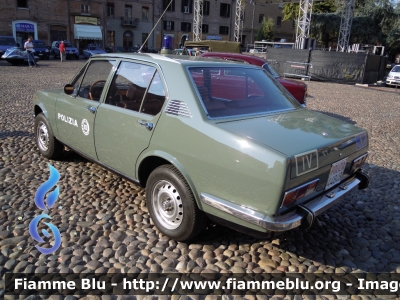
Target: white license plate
[(336, 173)]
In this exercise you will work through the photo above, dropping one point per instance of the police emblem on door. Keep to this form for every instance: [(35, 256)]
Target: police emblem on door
[(85, 127)]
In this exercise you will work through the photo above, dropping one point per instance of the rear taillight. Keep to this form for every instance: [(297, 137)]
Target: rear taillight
[(358, 162), (299, 192)]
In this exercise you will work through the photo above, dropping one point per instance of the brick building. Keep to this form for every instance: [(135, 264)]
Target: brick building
[(128, 23)]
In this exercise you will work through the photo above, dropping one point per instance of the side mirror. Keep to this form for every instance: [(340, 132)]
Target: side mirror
[(68, 89)]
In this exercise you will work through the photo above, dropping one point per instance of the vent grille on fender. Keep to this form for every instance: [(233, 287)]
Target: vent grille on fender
[(178, 108)]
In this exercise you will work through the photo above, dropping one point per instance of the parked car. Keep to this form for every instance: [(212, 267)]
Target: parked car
[(17, 56), (41, 50), (393, 77), (6, 42), (92, 50), (209, 139), (134, 49), (297, 89), (115, 49), (71, 50)]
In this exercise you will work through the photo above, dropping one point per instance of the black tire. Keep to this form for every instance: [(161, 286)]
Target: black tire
[(48, 145), (77, 57), (172, 206)]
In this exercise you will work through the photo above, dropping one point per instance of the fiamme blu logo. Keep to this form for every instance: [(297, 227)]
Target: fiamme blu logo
[(40, 203)]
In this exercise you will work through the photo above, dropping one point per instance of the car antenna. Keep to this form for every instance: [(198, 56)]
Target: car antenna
[(165, 10)]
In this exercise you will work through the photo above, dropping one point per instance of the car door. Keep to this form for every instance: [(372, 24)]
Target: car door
[(75, 114), (125, 122)]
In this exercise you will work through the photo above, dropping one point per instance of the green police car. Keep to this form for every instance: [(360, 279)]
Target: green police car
[(210, 140)]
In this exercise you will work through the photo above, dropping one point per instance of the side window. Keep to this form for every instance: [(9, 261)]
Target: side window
[(155, 96), (129, 85), (92, 84)]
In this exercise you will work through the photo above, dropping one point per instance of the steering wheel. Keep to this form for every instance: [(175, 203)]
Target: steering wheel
[(91, 87)]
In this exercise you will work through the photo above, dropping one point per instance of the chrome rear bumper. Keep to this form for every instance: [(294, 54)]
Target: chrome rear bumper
[(304, 214)]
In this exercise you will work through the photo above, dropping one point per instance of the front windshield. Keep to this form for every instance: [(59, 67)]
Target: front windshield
[(94, 48), (7, 41), (68, 44), (235, 91), (39, 44), (271, 70), (396, 69)]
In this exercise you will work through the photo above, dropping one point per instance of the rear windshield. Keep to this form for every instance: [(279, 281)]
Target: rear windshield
[(39, 44), (235, 91), (7, 41), (271, 70)]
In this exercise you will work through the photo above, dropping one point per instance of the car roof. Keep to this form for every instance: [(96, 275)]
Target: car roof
[(173, 59)]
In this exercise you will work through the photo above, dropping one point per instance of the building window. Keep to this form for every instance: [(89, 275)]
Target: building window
[(186, 27), (206, 8), (187, 6), (111, 38), (224, 30), (204, 28), (58, 33), (110, 9), (85, 8), (171, 7), (145, 13), (22, 3), (278, 21), (260, 18), (225, 10), (127, 39), (144, 38), (128, 13), (169, 25)]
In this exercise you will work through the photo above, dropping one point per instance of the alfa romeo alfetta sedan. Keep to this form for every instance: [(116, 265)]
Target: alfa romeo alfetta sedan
[(208, 139)]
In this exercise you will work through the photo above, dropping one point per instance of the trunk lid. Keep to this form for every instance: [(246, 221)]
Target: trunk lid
[(312, 140)]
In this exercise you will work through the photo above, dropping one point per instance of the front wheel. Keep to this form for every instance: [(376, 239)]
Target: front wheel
[(48, 145), (171, 204)]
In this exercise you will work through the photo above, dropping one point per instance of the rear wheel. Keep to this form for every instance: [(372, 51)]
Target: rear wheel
[(48, 145), (172, 205)]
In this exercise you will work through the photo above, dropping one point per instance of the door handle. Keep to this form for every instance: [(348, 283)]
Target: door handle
[(145, 124), (91, 109)]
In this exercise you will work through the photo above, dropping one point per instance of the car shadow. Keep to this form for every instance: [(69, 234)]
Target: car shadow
[(340, 117), (6, 134), (359, 233), (72, 156)]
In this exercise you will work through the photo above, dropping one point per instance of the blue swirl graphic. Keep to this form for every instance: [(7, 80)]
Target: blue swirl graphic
[(47, 186), (39, 201), (35, 235)]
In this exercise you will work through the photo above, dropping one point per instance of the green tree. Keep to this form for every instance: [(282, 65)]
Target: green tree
[(266, 30), (325, 28), (291, 10)]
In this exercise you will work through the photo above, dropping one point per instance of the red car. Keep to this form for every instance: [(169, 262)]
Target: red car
[(297, 89)]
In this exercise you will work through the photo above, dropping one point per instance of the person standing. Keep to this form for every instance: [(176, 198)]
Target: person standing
[(63, 53), (28, 46)]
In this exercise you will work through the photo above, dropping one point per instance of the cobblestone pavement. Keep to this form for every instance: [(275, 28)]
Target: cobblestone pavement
[(105, 225)]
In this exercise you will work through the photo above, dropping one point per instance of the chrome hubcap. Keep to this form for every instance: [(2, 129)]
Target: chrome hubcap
[(43, 136), (167, 204)]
